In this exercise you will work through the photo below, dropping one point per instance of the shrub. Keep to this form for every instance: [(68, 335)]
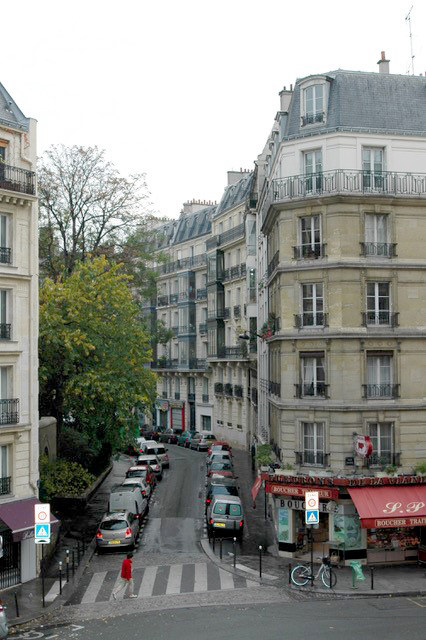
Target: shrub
[(63, 478), (264, 455), (421, 467)]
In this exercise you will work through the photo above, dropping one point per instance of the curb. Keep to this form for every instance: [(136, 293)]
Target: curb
[(205, 546)]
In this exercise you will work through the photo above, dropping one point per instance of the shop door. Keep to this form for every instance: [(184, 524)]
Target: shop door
[(163, 420), (177, 419), (10, 563)]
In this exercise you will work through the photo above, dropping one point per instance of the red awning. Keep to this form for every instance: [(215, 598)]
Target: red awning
[(19, 517), (389, 507), (255, 490)]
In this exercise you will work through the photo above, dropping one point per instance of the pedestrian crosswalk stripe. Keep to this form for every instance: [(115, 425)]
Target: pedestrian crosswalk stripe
[(200, 579), (175, 577), (226, 579), (94, 587), (147, 583)]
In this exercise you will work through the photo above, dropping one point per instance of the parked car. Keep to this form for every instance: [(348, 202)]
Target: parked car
[(225, 515), (153, 462), (160, 451), (195, 439), (220, 487), (170, 436), (142, 471), (128, 498), (117, 530), (146, 444), (219, 446), (221, 456), (221, 469), (184, 439), (140, 482)]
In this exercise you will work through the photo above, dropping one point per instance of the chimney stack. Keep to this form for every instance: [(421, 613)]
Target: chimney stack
[(285, 98), (383, 64)]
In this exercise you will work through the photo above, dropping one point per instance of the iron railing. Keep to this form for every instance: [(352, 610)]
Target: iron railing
[(5, 255), (310, 320), (5, 331), (202, 327), (274, 263), (174, 298), (227, 313), (218, 388), (383, 459), (191, 397), (201, 294), (16, 179), (186, 328), (309, 251), (237, 311), (318, 390), (177, 395), (317, 458), (380, 249), (186, 295), (239, 351), (5, 485), (380, 390), (205, 397), (229, 391), (313, 118), (162, 301), (9, 411), (183, 263), (275, 388), (380, 318), (238, 390)]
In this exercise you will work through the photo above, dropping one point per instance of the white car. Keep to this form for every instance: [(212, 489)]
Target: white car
[(145, 488), (153, 462)]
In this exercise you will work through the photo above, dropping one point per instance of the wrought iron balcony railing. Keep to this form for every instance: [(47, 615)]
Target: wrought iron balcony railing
[(162, 301), (243, 269), (310, 320), (273, 264), (229, 391), (380, 249), (16, 179), (5, 486), (383, 459), (380, 390), (275, 388), (184, 329), (313, 118), (309, 251), (5, 255), (237, 311), (238, 390), (202, 328), (227, 313), (254, 396), (164, 394), (205, 397), (9, 411), (218, 388), (177, 395), (201, 294), (226, 275), (5, 331), (186, 295), (349, 182), (191, 397), (238, 352), (235, 271), (183, 263), (316, 458), (380, 319), (174, 298), (318, 390)]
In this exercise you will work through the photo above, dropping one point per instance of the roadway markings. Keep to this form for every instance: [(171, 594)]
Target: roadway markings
[(94, 587), (147, 584)]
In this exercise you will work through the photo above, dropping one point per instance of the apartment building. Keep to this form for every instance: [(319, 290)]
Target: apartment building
[(18, 342), (343, 210)]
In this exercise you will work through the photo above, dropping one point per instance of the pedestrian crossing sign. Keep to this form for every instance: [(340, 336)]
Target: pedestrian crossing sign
[(312, 517), (42, 533)]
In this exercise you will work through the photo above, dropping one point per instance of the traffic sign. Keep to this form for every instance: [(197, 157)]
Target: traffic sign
[(42, 513), (312, 501), (42, 533), (312, 517)]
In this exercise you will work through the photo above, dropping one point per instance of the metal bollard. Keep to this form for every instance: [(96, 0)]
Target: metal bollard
[(289, 574), (73, 563), (78, 551), (220, 547), (60, 578), (372, 577), (67, 563), (16, 604), (260, 561), (235, 552)]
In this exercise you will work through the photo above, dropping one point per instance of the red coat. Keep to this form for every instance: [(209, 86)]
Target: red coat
[(126, 569)]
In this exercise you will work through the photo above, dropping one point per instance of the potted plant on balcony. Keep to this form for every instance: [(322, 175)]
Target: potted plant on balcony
[(420, 468)]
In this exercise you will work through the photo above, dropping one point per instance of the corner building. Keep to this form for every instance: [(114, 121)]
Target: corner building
[(343, 211)]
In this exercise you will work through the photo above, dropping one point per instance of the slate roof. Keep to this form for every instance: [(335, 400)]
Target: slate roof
[(235, 194), (375, 102), (165, 234), (193, 225), (10, 113)]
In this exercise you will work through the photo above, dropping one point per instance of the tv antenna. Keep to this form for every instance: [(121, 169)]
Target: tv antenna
[(408, 19)]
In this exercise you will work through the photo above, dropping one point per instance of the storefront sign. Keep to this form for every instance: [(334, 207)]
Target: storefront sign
[(315, 482), (386, 523), (294, 490), (299, 505)]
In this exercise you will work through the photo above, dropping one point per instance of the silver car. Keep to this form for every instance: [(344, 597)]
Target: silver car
[(220, 456), (117, 530), (225, 516), (154, 462), (145, 488)]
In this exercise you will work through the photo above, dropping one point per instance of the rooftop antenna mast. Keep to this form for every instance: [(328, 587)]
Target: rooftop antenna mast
[(408, 18)]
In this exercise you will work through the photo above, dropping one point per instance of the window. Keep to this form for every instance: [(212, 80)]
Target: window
[(205, 389), (381, 435), (372, 169), (312, 305), (310, 237), (312, 375), (378, 303), (177, 388), (377, 236), (313, 104), (252, 284), (380, 376), (313, 170), (206, 423), (313, 443), (4, 470), (5, 251)]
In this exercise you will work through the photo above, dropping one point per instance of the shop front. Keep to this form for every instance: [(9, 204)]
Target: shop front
[(163, 416)]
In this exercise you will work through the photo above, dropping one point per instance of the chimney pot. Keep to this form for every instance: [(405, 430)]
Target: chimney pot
[(383, 63)]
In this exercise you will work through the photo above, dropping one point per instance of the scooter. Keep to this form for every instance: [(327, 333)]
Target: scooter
[(4, 627)]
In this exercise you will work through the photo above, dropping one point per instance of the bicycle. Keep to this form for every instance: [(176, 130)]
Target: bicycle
[(301, 574)]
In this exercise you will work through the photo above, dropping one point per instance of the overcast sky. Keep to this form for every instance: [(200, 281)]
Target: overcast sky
[(185, 90)]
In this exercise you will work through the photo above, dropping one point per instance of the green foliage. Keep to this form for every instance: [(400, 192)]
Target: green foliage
[(421, 467), (63, 478), (93, 354), (264, 455), (391, 469)]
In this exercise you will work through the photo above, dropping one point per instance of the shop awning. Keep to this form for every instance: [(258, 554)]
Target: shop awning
[(19, 517), (390, 507)]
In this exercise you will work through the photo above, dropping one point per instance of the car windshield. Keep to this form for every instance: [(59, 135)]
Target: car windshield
[(160, 450), (114, 525), (137, 473), (222, 490), (221, 466), (224, 508), (216, 448), (151, 461)]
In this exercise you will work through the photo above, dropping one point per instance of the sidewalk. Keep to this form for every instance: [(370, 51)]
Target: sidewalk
[(74, 530)]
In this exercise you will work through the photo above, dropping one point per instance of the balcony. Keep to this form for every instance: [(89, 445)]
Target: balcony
[(349, 182), (216, 315), (380, 391), (228, 353), (309, 251), (383, 459), (173, 298), (184, 296), (238, 390), (162, 301), (378, 249), (254, 396), (202, 294), (315, 458), (9, 411), (5, 255), (164, 394), (5, 331), (273, 264), (318, 390), (225, 275), (313, 118), (380, 319), (229, 390), (185, 329), (310, 320), (15, 179), (227, 313), (202, 328), (237, 311), (218, 388), (275, 388), (183, 263), (191, 397), (5, 486), (234, 272), (205, 397)]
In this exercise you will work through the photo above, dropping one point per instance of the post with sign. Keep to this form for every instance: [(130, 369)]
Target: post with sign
[(311, 518), (42, 535)]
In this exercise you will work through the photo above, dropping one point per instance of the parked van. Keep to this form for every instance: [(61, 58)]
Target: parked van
[(128, 498), (160, 451), (225, 515)]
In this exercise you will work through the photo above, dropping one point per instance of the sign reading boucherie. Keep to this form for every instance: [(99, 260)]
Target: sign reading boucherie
[(390, 523), (294, 490)]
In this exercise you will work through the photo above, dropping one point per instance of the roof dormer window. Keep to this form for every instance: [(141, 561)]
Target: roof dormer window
[(314, 94)]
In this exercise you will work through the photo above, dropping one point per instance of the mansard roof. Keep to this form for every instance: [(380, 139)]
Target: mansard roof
[(193, 225), (235, 194), (10, 113)]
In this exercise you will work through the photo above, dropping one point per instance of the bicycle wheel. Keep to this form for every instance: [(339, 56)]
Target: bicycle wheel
[(300, 575), (328, 577)]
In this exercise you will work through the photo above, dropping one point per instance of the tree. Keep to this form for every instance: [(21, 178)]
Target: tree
[(86, 207), (93, 354)]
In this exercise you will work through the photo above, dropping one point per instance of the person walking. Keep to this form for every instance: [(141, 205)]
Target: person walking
[(125, 578)]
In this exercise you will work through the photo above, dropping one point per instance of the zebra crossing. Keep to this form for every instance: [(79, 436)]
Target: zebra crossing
[(159, 580)]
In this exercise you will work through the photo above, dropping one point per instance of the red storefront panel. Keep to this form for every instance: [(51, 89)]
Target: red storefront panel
[(295, 490), (388, 507)]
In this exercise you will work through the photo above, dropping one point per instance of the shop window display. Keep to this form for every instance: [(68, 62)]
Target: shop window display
[(388, 539)]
